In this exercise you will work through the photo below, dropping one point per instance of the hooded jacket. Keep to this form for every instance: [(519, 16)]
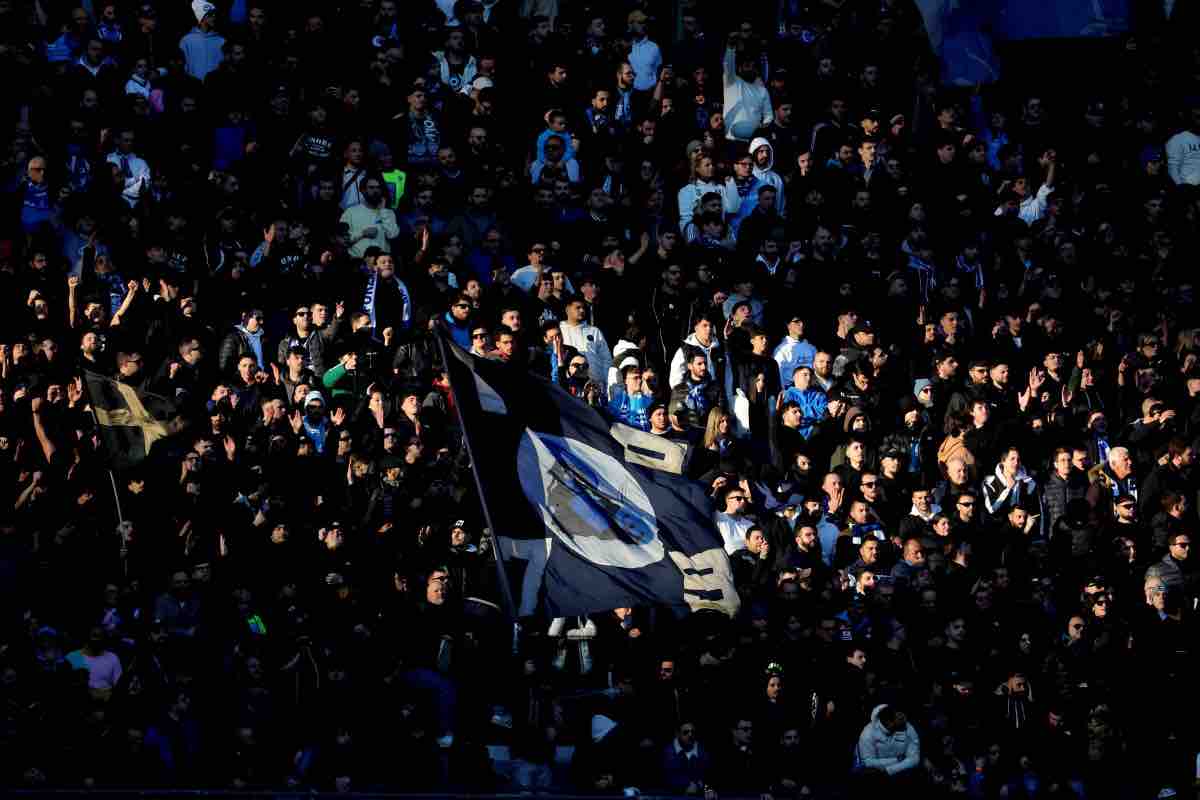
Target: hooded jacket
[(879, 748), (201, 49), (767, 174)]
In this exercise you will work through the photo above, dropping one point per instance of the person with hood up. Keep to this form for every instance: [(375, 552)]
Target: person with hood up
[(747, 101), (315, 424), (888, 743), (763, 154), (203, 47)]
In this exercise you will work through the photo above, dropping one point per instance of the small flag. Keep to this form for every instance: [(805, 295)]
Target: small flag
[(595, 514), (129, 421)]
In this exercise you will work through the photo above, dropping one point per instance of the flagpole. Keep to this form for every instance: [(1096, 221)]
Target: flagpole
[(112, 481), (502, 576)]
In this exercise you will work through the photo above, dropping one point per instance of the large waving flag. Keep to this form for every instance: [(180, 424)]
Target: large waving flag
[(129, 421), (596, 513), (961, 31)]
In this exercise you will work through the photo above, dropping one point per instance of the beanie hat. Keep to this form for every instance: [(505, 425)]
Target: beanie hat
[(202, 8), (314, 397)]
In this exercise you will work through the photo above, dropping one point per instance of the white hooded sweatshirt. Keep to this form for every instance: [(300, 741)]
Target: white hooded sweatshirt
[(767, 174), (879, 748)]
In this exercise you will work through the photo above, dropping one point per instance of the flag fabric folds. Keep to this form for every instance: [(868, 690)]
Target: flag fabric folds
[(595, 512), (129, 421)]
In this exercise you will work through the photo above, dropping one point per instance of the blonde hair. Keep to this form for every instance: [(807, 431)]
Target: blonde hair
[(712, 429)]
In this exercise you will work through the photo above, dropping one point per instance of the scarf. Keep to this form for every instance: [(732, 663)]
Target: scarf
[(317, 433), (966, 268), (926, 276), (696, 399), (405, 300), (255, 342)]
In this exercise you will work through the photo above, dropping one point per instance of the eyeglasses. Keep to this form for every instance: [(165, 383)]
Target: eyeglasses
[(538, 250), (478, 335), (868, 484), (1182, 544), (746, 728)]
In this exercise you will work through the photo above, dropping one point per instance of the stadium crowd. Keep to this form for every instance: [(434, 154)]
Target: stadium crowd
[(933, 352)]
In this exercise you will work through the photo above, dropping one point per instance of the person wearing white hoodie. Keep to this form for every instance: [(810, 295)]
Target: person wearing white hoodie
[(1183, 151), (764, 161), (888, 743), (202, 47), (747, 101), (704, 337)]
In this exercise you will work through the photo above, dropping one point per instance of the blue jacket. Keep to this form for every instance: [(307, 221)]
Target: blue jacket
[(460, 333), (633, 411), (812, 402)]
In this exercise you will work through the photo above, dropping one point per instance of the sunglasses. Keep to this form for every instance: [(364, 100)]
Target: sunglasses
[(301, 313), (868, 484)]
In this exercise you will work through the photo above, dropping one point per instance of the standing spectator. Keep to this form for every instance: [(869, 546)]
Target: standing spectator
[(747, 102), (203, 47)]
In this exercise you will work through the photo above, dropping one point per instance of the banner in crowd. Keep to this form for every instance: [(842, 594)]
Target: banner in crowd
[(961, 31), (597, 513), (129, 421)]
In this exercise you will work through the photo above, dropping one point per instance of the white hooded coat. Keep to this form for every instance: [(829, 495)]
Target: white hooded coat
[(768, 175), (879, 748)]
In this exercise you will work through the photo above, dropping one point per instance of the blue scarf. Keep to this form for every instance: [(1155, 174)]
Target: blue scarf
[(317, 433), (966, 268), (696, 399), (255, 340), (926, 277)]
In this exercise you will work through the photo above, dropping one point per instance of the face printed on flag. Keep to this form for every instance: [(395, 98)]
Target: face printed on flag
[(589, 501)]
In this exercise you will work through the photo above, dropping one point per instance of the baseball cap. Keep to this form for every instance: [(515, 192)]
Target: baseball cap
[(314, 397), (636, 16)]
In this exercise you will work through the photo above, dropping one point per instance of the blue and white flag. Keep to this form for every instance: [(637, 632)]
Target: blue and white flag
[(961, 31), (596, 515)]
